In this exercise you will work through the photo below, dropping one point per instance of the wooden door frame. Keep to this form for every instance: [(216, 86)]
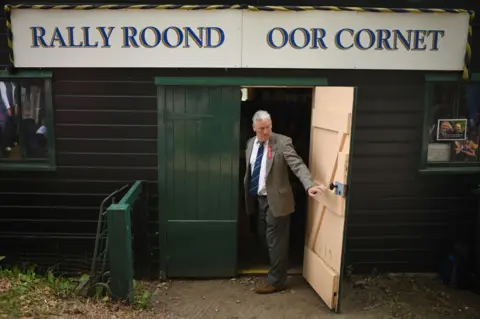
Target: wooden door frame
[(241, 82), (347, 204)]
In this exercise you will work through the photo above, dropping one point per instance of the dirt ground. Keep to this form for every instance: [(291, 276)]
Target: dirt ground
[(26, 295), (381, 297)]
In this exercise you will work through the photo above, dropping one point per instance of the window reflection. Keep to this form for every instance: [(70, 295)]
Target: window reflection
[(23, 133)]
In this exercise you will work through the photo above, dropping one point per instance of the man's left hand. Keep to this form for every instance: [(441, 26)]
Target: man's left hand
[(316, 190)]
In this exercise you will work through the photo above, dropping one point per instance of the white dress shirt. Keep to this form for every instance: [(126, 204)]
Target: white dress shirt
[(3, 94), (262, 188), (42, 130)]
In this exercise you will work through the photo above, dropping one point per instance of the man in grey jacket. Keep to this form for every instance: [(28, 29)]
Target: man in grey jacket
[(268, 193)]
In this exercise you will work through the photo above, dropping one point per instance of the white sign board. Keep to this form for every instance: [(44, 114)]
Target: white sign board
[(131, 38)]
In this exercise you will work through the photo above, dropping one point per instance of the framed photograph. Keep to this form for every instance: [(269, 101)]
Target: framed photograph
[(451, 129)]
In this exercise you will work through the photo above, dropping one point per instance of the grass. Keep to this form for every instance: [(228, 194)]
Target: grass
[(26, 294)]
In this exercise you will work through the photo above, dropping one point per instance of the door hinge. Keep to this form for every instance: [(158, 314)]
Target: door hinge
[(339, 189)]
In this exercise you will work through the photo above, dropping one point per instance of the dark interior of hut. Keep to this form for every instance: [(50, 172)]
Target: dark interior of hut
[(290, 110)]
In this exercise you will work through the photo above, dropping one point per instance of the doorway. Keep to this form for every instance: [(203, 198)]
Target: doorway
[(290, 110), (320, 230), (198, 181)]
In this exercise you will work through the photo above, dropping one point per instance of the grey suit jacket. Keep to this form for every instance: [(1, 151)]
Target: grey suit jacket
[(279, 191)]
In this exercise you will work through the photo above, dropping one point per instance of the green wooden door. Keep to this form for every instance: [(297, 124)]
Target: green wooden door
[(198, 156)]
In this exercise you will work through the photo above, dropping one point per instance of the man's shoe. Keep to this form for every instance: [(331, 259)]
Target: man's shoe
[(268, 289)]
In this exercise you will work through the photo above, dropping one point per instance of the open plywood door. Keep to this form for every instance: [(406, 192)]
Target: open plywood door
[(331, 127)]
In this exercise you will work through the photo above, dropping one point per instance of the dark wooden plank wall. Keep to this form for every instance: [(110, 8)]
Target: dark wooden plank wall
[(105, 128), (105, 122), (106, 137), (399, 220)]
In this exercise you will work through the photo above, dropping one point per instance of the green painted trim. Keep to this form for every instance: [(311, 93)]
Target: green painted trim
[(475, 77), (133, 193), (449, 77), (454, 164), (162, 181), (241, 81), (458, 170), (25, 166), (443, 77), (347, 204), (236, 178), (50, 124), (427, 117), (120, 256), (27, 74)]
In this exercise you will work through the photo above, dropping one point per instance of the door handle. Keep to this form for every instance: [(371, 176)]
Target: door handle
[(339, 189)]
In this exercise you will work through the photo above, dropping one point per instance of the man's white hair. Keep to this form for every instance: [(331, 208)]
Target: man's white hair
[(261, 115)]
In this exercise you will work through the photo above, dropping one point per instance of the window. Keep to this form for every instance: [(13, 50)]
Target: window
[(452, 124), (26, 121)]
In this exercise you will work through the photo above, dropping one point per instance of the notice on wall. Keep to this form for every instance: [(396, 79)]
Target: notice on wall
[(131, 38), (439, 152), (451, 129)]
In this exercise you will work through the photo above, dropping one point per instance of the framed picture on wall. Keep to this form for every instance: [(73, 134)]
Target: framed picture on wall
[(451, 130)]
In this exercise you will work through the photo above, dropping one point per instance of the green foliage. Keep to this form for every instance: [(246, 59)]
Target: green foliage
[(24, 293), (143, 296), (18, 288)]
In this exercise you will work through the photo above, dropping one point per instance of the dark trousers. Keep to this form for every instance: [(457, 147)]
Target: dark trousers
[(8, 132), (274, 233), (30, 139), (2, 139)]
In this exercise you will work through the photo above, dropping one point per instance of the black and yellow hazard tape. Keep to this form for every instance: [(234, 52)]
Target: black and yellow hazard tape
[(8, 23), (8, 10), (468, 52), (355, 9), (125, 6)]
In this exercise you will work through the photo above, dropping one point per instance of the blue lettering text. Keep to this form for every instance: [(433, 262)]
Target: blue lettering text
[(37, 37), (85, 37), (298, 38), (390, 40), (173, 37)]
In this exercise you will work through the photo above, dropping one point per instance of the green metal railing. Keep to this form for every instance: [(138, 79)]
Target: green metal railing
[(119, 226)]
